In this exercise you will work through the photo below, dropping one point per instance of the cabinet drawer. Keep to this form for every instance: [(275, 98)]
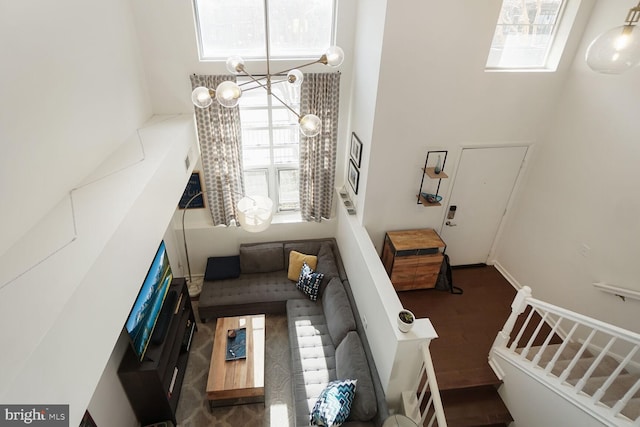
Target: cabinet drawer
[(407, 261), (431, 260)]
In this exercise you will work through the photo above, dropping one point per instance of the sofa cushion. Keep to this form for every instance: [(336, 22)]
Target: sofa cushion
[(261, 258), (222, 267), (327, 264), (334, 403), (351, 363), (337, 310), (296, 259), (309, 282), (312, 355), (310, 247)]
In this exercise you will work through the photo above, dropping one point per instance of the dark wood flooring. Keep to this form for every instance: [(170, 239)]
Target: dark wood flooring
[(467, 325)]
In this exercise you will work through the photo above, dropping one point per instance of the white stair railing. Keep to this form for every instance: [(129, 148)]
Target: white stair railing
[(578, 356), (427, 387)]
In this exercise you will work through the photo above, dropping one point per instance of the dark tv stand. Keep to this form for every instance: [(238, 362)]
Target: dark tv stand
[(153, 385)]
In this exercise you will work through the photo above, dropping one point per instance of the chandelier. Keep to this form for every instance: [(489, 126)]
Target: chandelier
[(228, 93), (618, 49)]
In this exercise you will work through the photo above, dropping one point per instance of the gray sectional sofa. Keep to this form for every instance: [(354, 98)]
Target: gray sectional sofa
[(326, 336)]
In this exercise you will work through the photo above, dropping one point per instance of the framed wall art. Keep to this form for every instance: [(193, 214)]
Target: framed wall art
[(354, 176), (356, 149), (194, 186)]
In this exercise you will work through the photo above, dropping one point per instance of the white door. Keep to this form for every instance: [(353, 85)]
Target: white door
[(481, 190)]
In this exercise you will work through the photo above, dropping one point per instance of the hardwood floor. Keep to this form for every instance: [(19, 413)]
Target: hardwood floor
[(467, 325)]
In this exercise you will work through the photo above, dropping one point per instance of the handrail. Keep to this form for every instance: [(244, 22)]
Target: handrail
[(581, 360), (427, 387)]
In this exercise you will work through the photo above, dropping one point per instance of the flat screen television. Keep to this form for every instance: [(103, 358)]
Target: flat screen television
[(145, 311)]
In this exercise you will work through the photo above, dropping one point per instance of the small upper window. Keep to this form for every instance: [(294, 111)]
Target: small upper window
[(297, 29), (525, 34)]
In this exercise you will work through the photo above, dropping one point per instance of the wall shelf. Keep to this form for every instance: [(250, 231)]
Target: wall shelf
[(430, 172)]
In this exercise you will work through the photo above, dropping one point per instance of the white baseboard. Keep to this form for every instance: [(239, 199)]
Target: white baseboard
[(507, 275)]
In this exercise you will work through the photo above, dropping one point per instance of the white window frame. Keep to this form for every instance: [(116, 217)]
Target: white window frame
[(223, 56), (560, 35), (270, 164)]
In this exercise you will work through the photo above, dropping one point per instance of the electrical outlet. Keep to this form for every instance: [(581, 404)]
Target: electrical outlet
[(584, 250), (364, 321)]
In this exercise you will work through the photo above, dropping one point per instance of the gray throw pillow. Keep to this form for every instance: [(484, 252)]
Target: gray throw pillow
[(351, 362), (261, 258), (326, 265), (337, 311)]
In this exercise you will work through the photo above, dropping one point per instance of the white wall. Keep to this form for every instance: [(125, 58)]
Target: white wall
[(434, 94), (73, 90), (583, 189), (72, 305)]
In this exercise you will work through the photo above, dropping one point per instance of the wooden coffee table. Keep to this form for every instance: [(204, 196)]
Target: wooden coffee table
[(235, 382)]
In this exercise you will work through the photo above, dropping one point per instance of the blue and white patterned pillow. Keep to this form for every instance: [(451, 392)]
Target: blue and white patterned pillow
[(309, 282), (334, 403)]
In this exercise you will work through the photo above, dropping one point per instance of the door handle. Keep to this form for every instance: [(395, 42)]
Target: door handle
[(450, 224)]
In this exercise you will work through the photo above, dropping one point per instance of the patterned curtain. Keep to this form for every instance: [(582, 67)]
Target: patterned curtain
[(320, 96), (219, 132)]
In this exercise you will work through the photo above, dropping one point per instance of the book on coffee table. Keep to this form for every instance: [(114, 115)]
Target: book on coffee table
[(237, 344)]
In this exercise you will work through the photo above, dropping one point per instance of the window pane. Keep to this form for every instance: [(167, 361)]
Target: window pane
[(255, 137), (286, 135), (285, 155), (288, 189), (230, 27), (524, 33), (299, 29), (254, 117), (252, 157), (256, 182)]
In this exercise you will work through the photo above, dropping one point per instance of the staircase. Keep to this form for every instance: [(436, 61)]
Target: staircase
[(591, 366)]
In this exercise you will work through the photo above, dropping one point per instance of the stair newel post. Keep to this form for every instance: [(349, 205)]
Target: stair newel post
[(518, 306)]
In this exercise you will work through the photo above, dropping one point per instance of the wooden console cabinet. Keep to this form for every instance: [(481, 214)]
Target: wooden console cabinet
[(153, 385), (413, 258)]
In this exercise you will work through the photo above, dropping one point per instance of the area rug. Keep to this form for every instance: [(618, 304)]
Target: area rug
[(193, 407)]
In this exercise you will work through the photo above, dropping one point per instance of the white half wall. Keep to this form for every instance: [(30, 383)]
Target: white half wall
[(396, 354), (72, 305)]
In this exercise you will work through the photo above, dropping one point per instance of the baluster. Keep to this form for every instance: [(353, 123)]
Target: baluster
[(564, 344), (525, 350), (543, 348), (516, 341), (577, 357), (603, 388), (517, 308), (625, 399), (594, 365)]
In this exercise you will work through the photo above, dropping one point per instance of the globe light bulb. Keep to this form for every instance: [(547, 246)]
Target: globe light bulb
[(335, 56), (235, 64), (310, 125), (615, 51), (228, 94), (295, 77), (201, 97)]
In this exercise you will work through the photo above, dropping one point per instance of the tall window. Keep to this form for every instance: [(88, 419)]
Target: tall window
[(270, 141), (525, 34), (297, 29)]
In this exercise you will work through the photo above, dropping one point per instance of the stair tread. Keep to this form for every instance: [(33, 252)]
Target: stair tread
[(631, 410), (474, 406), (616, 390)]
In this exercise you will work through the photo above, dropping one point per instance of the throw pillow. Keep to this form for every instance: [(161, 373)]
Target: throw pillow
[(296, 259), (309, 282), (334, 403), (222, 267)]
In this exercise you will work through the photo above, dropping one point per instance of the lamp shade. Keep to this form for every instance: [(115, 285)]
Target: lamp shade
[(228, 94), (310, 125), (615, 51), (201, 97), (255, 213)]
